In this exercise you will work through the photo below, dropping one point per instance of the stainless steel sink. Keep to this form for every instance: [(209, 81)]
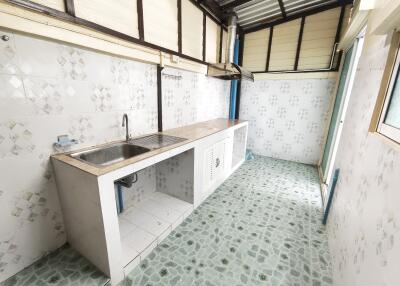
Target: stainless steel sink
[(108, 155), (156, 141)]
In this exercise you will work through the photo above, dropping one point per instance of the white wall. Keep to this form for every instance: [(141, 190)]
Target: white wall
[(192, 98), (364, 224), (48, 89), (287, 118)]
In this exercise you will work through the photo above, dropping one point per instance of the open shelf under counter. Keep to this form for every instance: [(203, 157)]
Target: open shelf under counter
[(143, 226)]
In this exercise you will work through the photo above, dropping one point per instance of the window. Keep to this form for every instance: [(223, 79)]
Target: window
[(386, 118), (389, 124)]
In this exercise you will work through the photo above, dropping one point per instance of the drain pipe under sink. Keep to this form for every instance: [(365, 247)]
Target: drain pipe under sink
[(127, 182), (120, 204)]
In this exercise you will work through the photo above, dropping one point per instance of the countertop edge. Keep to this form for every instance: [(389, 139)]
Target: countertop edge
[(99, 171)]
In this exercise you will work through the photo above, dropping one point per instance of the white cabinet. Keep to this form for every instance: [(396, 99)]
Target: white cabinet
[(214, 166)]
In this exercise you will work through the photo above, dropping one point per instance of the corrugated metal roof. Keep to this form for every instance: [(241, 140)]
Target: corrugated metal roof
[(255, 12)]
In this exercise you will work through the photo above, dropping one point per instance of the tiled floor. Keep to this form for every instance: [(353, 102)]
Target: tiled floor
[(63, 267), (261, 227)]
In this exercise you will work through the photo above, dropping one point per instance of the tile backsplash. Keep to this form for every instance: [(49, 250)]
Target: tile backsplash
[(49, 89), (288, 119)]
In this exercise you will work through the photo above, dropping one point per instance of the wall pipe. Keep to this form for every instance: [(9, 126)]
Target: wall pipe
[(234, 83)]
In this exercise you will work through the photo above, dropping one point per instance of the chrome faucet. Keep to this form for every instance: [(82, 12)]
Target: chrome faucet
[(125, 123)]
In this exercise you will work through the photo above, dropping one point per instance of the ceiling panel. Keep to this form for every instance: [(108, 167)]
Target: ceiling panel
[(260, 12)]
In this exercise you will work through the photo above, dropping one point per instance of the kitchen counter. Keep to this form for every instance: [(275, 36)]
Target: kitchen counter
[(190, 132), (172, 180)]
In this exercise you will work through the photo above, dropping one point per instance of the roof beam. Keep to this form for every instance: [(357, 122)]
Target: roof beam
[(207, 11), (300, 39), (214, 8), (179, 4), (139, 6), (233, 4), (268, 23), (271, 33), (70, 7), (282, 8)]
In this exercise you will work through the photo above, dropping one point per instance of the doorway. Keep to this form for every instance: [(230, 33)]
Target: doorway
[(346, 81)]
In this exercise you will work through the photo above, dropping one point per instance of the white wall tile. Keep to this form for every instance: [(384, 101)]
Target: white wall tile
[(8, 55), (193, 98), (39, 60), (287, 118), (364, 222), (49, 89)]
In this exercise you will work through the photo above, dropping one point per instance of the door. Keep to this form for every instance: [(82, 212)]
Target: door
[(344, 76), (346, 81), (208, 162), (214, 164)]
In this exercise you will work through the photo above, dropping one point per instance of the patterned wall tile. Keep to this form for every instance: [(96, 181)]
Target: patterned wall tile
[(49, 89), (16, 138), (199, 98), (365, 218), (287, 118), (142, 189), (102, 98), (175, 176), (72, 62), (45, 95)]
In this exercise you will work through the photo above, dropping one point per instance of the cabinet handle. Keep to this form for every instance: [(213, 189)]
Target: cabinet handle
[(217, 162)]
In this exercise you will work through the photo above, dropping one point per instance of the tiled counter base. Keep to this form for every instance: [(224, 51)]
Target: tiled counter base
[(145, 225)]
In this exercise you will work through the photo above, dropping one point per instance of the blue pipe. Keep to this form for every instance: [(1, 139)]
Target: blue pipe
[(234, 83), (330, 194), (120, 199)]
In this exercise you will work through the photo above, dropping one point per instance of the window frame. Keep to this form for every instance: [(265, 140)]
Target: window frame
[(383, 128), (392, 66)]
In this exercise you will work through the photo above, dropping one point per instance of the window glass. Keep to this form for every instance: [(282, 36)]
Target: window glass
[(393, 112)]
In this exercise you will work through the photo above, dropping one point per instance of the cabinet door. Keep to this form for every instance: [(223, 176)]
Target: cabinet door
[(219, 160), (208, 176)]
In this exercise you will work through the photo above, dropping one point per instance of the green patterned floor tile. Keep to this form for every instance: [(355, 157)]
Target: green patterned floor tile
[(64, 267), (261, 227)]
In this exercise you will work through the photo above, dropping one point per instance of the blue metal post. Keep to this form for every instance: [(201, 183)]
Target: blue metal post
[(234, 83), (330, 194)]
